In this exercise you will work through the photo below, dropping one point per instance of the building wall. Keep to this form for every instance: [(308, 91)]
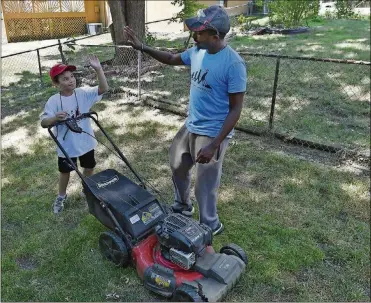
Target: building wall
[(210, 2), (93, 8), (159, 10)]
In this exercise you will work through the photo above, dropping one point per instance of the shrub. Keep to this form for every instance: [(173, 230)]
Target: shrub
[(344, 9), (290, 13)]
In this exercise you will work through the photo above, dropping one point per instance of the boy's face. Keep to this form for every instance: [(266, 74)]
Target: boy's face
[(66, 81)]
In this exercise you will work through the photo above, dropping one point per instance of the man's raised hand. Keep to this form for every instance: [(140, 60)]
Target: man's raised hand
[(132, 38)]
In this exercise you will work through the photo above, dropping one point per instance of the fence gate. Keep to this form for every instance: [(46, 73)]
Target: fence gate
[(43, 19)]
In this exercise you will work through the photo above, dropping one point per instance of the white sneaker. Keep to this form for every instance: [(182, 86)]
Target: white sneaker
[(219, 229), (58, 204)]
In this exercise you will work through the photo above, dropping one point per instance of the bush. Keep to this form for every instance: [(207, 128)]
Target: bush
[(290, 13), (344, 9), (317, 19)]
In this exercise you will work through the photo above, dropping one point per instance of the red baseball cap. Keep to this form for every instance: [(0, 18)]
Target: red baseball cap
[(60, 68)]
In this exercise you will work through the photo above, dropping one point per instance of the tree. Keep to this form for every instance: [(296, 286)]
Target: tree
[(190, 8), (126, 13)]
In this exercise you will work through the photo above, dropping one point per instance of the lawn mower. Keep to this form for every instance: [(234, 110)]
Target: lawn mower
[(172, 253)]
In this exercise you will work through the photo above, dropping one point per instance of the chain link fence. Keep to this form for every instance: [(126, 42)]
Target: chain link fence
[(258, 99), (14, 66), (323, 103), (120, 63), (318, 103)]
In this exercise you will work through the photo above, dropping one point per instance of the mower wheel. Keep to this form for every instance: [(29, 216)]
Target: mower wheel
[(114, 248), (187, 293), (234, 250)]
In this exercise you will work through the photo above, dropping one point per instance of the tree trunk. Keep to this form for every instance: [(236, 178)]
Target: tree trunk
[(131, 13), (135, 16), (118, 21)]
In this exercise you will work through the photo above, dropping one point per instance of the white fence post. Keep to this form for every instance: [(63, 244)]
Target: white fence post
[(139, 72)]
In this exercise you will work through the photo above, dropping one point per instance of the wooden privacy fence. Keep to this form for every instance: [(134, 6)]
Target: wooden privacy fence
[(38, 19)]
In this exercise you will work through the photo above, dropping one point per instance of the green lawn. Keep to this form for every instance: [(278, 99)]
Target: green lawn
[(301, 215), (342, 39), (303, 224)]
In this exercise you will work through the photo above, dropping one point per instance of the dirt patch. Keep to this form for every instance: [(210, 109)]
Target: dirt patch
[(358, 165), (26, 263)]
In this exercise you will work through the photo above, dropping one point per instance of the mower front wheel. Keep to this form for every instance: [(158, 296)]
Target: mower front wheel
[(234, 250), (186, 293), (114, 248)]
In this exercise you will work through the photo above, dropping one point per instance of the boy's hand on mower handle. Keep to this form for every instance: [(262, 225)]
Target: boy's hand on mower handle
[(132, 38), (60, 116)]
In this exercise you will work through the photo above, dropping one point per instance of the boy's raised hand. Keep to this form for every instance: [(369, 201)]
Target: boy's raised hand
[(94, 62)]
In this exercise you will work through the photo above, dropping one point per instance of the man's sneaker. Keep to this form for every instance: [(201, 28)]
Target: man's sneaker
[(219, 229), (179, 209), (58, 204)]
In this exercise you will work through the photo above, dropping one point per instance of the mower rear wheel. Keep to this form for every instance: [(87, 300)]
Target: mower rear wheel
[(114, 248), (234, 250), (186, 293)]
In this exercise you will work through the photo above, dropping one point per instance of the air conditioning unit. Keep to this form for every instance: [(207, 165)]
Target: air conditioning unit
[(94, 28)]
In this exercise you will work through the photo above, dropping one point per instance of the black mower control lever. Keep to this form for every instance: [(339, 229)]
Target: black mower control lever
[(73, 126), (71, 123)]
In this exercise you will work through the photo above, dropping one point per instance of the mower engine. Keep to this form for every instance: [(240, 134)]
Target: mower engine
[(183, 239)]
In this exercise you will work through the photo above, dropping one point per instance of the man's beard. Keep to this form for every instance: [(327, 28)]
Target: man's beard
[(201, 46)]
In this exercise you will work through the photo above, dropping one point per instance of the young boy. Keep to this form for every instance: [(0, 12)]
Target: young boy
[(71, 102)]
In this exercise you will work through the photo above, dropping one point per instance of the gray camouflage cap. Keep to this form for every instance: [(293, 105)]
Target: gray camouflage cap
[(214, 17)]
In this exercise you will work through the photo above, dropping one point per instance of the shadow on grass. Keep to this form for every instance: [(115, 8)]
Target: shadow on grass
[(277, 208), (324, 102), (26, 94)]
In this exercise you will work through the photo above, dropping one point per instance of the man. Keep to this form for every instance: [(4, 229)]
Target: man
[(218, 84)]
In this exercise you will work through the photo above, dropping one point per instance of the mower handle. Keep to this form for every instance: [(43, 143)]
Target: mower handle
[(82, 116), (72, 125)]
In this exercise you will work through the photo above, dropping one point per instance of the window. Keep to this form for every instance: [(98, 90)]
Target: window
[(223, 3)]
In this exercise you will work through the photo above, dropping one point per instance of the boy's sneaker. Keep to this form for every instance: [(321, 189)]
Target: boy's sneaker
[(179, 209), (58, 204), (219, 229)]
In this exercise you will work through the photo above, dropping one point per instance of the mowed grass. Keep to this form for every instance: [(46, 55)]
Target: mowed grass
[(341, 39), (304, 225)]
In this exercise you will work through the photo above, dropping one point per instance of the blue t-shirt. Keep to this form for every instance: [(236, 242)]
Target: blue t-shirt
[(213, 78)]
